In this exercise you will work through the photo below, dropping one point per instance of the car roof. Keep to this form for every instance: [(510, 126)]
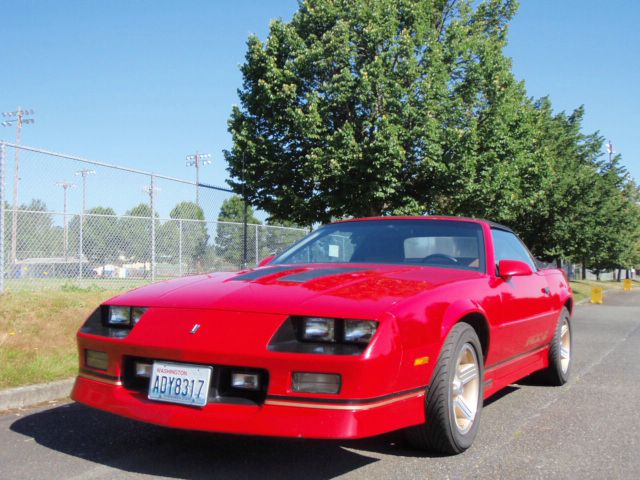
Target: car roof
[(430, 217)]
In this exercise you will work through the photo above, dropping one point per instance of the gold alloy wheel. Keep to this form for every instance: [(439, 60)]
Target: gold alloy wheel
[(465, 389), (565, 345)]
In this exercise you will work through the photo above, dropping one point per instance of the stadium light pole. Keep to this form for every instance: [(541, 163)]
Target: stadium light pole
[(84, 173), (18, 117), (151, 190), (65, 186), (610, 150), (198, 160)]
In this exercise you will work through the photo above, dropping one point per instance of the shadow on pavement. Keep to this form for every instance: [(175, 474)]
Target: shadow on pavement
[(500, 394), (119, 443)]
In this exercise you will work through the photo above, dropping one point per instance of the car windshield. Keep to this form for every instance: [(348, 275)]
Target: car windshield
[(441, 243)]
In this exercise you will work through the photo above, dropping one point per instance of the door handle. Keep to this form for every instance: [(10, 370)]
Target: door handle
[(546, 291)]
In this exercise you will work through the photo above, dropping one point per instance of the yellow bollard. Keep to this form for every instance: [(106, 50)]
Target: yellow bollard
[(627, 284), (597, 295)]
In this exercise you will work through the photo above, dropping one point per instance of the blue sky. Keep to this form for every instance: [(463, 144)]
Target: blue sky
[(144, 83)]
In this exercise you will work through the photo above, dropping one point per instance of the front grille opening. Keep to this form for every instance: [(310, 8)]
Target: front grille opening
[(220, 390)]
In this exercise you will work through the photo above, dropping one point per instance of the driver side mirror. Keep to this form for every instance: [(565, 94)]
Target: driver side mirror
[(513, 268), (266, 261)]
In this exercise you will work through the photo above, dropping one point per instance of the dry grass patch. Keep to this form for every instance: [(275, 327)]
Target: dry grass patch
[(582, 288), (37, 333)]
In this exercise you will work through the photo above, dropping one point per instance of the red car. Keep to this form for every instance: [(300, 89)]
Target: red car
[(363, 327)]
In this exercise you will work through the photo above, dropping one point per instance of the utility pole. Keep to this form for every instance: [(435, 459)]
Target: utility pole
[(151, 189), (610, 150), (9, 118), (66, 186), (198, 160), (84, 173), (245, 218)]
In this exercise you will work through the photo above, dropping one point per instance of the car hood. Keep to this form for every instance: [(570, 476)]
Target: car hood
[(361, 291)]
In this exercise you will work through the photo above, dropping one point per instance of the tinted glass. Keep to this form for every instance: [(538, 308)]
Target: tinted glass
[(441, 243), (507, 246)]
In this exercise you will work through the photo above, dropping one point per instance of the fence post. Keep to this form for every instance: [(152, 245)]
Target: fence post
[(245, 233), (80, 245), (2, 217), (152, 195), (257, 249), (180, 248)]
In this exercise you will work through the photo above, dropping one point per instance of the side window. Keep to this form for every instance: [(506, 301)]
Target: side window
[(508, 247)]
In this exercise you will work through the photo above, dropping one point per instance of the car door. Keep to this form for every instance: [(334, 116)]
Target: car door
[(525, 302)]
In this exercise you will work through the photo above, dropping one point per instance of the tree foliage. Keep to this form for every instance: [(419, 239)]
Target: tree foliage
[(101, 235), (230, 232), (362, 107), (186, 235)]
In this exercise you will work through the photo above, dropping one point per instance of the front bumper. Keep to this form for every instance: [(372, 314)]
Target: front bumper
[(370, 402), (278, 416)]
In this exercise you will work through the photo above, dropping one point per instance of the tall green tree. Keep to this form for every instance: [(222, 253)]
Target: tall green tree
[(186, 233), (135, 242), (101, 235), (37, 236), (366, 107)]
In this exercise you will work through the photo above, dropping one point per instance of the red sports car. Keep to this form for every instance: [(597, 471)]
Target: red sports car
[(363, 327)]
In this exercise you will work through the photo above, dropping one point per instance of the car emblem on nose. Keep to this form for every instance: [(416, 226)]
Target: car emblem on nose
[(195, 328)]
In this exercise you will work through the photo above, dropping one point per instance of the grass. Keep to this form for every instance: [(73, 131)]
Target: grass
[(37, 332), (112, 284), (582, 288)]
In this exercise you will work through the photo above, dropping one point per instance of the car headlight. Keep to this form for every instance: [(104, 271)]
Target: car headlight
[(317, 329), (359, 331), (119, 316), (322, 335), (336, 330)]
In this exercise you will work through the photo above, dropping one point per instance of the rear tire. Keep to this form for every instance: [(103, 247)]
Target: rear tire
[(454, 398), (559, 369)]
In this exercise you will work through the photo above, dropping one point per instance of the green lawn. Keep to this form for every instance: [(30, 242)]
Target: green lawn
[(582, 288), (37, 333)]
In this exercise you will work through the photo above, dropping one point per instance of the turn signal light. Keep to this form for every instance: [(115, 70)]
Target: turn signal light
[(96, 359), (306, 382)]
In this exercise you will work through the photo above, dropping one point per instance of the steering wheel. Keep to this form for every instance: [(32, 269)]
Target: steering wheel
[(440, 259)]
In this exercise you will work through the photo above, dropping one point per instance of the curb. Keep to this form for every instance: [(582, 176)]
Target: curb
[(30, 395)]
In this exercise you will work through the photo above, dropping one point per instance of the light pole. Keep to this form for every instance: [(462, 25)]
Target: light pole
[(151, 189), (9, 118), (198, 160), (66, 186), (84, 173), (610, 150)]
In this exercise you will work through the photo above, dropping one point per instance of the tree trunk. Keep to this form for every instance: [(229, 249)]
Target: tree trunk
[(619, 274), (584, 269), (375, 210)]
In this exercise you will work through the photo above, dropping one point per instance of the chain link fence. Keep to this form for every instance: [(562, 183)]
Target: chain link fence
[(69, 221)]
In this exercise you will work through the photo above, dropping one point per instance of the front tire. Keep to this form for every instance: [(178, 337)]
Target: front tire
[(559, 369), (454, 398)]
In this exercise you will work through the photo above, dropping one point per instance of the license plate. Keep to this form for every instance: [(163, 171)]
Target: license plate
[(180, 383)]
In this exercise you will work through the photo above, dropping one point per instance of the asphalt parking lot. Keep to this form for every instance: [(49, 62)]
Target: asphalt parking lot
[(590, 428)]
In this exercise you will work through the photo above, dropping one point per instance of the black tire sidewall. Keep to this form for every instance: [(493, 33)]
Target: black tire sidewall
[(465, 335), (556, 359)]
